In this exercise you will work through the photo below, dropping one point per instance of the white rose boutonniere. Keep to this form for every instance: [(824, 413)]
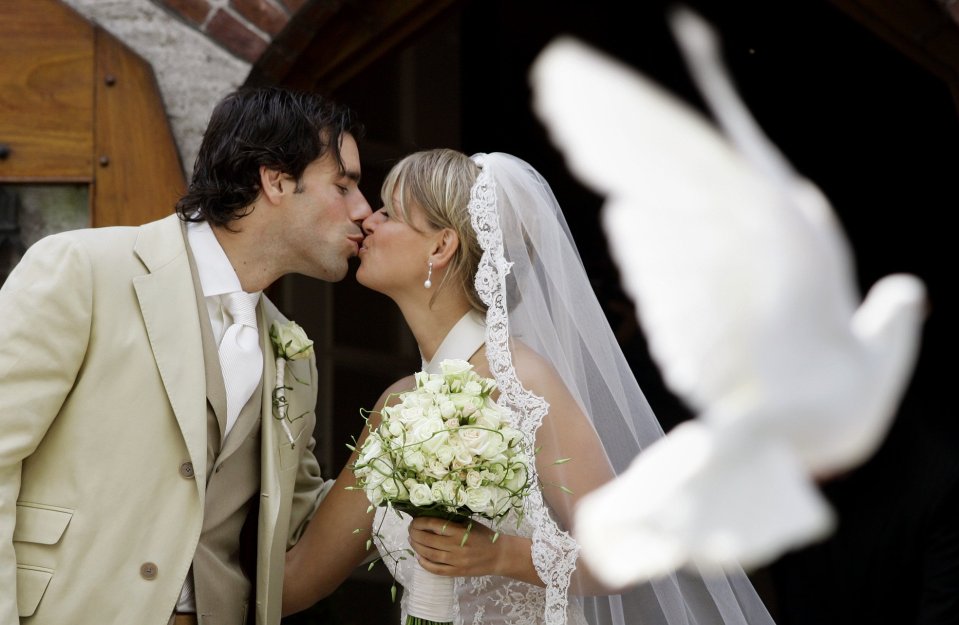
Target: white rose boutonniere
[(289, 343)]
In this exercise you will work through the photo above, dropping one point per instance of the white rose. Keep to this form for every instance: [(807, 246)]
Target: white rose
[(421, 495), (498, 461), (408, 415), (435, 468), (395, 428), (375, 496), (489, 418), (414, 459), (444, 453), (371, 449), (516, 478), (444, 492), (461, 497), (447, 409), (455, 367), (394, 490), (381, 468), (462, 457), (494, 474), (478, 440), (436, 385), (496, 449), (424, 430), (478, 499), (473, 388), (500, 501), (514, 438), (466, 402), (290, 341), (474, 479), (437, 440)]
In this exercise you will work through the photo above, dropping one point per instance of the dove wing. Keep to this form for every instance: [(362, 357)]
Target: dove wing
[(685, 215)]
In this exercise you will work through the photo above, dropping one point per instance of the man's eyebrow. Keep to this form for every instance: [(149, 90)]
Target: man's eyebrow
[(352, 175)]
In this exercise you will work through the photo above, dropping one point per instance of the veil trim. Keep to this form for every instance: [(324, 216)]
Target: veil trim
[(554, 551)]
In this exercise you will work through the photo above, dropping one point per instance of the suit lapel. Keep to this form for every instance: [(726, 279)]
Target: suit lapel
[(168, 304), (269, 374)]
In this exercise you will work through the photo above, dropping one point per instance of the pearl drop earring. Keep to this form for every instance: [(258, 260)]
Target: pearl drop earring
[(429, 274)]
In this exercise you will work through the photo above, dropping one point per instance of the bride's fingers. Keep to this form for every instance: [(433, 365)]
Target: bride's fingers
[(438, 526), (438, 569), (431, 540), (431, 554)]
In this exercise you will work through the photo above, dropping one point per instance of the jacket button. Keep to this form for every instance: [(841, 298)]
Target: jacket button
[(148, 570), (186, 470)]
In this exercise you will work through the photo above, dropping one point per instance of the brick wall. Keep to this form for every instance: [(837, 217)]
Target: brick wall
[(243, 27)]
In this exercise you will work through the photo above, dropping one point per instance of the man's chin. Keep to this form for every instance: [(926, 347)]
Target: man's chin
[(327, 273)]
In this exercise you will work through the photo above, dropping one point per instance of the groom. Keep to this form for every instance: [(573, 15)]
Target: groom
[(137, 437)]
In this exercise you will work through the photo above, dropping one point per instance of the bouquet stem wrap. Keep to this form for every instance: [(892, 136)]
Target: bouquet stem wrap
[(430, 598)]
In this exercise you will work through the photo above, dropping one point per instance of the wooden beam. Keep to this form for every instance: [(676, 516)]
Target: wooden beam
[(921, 29), (329, 41)]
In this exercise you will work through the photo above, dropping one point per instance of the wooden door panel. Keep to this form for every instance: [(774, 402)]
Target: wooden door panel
[(46, 92), (138, 176)]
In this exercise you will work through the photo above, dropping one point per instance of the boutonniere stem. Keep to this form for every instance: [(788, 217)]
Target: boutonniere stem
[(289, 343), (280, 404)]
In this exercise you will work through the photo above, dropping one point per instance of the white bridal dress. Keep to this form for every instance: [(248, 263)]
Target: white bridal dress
[(487, 599), (532, 280)]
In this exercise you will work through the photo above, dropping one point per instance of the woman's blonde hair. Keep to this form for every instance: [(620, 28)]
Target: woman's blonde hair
[(439, 182)]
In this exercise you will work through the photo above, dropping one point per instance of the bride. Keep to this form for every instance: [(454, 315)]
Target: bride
[(477, 255)]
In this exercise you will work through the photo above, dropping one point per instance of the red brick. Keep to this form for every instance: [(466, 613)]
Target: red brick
[(193, 11), (263, 14), (235, 36)]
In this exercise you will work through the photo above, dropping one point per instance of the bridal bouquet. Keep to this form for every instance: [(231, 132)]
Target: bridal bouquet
[(444, 449)]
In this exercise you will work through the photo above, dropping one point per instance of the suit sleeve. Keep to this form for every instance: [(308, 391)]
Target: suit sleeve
[(45, 314)]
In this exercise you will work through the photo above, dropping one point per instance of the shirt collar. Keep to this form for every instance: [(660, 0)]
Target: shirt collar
[(212, 265)]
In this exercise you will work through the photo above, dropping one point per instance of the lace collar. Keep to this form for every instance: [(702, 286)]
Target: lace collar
[(462, 341)]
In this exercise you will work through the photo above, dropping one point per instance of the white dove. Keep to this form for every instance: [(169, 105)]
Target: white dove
[(745, 289)]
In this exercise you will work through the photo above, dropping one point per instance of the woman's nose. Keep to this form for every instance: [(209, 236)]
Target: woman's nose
[(361, 209), (370, 223)]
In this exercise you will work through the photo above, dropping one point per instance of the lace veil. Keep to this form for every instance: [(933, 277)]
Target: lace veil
[(535, 286)]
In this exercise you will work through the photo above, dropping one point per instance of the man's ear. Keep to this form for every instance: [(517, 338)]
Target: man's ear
[(273, 183), (444, 246)]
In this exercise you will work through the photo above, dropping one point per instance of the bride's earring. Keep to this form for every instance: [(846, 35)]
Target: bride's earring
[(429, 274)]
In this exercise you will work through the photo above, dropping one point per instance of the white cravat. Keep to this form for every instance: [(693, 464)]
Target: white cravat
[(241, 359)]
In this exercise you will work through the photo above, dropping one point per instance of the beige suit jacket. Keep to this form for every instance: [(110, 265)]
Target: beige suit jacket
[(102, 402)]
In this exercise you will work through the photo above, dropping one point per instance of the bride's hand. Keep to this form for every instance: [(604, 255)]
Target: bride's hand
[(440, 549), (437, 546)]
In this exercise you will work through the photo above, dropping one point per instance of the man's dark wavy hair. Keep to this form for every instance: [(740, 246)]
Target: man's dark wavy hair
[(280, 128)]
